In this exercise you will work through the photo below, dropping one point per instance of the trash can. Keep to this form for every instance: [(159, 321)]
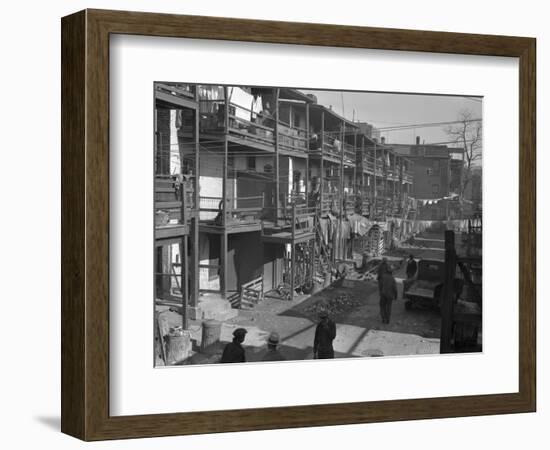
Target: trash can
[(178, 345), (211, 331)]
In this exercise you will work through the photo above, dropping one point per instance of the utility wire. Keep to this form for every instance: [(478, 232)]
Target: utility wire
[(426, 125)]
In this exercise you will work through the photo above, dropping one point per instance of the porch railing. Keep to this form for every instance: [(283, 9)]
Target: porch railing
[(243, 122), (182, 89), (331, 144), (173, 202), (292, 138), (237, 209), (349, 154), (298, 219), (330, 203)]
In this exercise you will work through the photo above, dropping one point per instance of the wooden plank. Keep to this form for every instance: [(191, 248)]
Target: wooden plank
[(276, 168), (447, 296), (73, 226), (175, 100), (170, 232), (167, 205), (175, 89)]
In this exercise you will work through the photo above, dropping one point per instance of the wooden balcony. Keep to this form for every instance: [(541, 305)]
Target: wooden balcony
[(352, 204), (242, 214), (289, 225), (330, 203), (331, 148), (246, 127), (367, 163), (292, 140), (173, 208), (179, 94), (349, 155), (382, 208)]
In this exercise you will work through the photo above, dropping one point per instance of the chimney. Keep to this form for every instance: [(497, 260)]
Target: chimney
[(417, 140), (383, 140)]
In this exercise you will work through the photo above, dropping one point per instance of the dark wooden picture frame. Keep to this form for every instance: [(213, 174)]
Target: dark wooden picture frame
[(85, 224)]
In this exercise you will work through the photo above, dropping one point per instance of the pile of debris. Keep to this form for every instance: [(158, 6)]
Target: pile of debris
[(334, 306), (369, 268)]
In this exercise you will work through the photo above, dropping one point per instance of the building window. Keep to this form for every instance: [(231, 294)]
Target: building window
[(251, 163), (435, 188), (429, 171)]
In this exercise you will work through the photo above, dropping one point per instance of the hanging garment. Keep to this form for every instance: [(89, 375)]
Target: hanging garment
[(324, 224), (243, 102), (257, 106), (354, 220), (346, 230)]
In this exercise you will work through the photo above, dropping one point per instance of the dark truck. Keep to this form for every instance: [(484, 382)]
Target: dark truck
[(426, 287)]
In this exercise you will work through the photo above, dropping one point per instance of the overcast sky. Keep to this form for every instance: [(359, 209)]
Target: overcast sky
[(386, 110)]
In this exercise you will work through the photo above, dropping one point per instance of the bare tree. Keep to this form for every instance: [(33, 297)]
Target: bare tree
[(468, 134)]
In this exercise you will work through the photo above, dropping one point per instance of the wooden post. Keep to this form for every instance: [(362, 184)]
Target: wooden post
[(448, 294), (223, 237), (401, 183), (354, 183), (184, 270), (223, 263), (385, 174), (321, 165), (292, 251), (342, 172), (195, 218), (184, 282), (342, 198), (392, 203), (374, 190), (362, 165), (307, 154), (225, 158), (276, 172)]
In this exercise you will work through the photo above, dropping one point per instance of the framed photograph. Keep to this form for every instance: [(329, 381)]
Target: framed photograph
[(274, 225)]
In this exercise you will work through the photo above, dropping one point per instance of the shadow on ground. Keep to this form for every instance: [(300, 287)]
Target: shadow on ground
[(359, 306), (52, 422)]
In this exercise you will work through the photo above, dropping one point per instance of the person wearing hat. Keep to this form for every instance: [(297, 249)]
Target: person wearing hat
[(382, 269), (272, 353), (234, 351), (388, 293), (324, 335)]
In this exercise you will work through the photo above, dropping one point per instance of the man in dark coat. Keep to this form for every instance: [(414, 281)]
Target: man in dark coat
[(388, 293), (234, 351), (324, 335), (412, 267), (382, 269), (273, 354)]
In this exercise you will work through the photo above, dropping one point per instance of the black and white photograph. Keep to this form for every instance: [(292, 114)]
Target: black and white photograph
[(302, 224), (262, 226)]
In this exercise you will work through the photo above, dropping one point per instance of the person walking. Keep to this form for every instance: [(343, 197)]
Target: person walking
[(388, 293), (324, 335), (234, 351), (382, 269), (273, 354)]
